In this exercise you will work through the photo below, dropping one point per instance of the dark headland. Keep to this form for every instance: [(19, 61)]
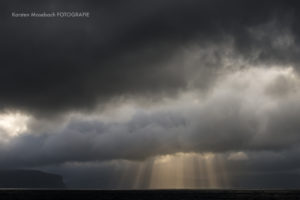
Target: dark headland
[(151, 194), (29, 179)]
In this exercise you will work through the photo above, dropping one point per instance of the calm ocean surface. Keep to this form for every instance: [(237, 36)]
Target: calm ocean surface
[(149, 194)]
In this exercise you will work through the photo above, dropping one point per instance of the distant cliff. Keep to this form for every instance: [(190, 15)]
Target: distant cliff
[(29, 179)]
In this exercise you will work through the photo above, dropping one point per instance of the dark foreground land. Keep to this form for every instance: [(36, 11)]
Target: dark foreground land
[(149, 194)]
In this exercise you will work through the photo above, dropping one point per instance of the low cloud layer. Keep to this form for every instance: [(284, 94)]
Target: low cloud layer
[(242, 113)]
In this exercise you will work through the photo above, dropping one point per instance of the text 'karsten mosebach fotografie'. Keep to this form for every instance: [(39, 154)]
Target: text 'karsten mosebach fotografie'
[(59, 14)]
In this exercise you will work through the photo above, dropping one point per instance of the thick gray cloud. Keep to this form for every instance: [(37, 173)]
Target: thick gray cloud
[(58, 65)]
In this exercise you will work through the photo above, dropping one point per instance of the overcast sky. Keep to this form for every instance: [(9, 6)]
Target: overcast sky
[(153, 94)]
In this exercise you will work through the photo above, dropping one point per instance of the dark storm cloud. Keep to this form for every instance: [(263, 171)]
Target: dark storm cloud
[(56, 65), (244, 54)]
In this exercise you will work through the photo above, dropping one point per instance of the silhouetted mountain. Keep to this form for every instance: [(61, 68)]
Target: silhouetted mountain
[(29, 179)]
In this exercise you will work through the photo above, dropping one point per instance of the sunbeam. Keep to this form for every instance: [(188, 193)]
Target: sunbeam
[(179, 171)]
